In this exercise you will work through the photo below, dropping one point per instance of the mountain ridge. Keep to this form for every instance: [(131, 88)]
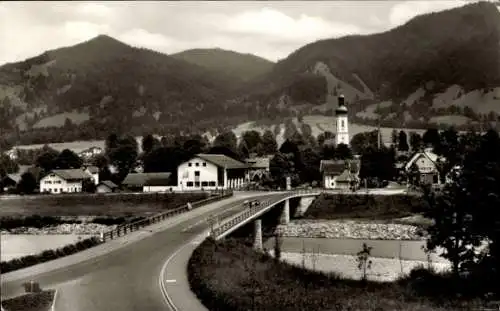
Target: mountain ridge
[(403, 77)]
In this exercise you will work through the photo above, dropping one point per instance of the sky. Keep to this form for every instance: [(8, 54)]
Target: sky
[(270, 29)]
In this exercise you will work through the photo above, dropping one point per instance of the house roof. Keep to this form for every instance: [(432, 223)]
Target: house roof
[(16, 177), (71, 174), (258, 162), (337, 167), (109, 184), (222, 160), (93, 169), (346, 176), (427, 153), (147, 179)]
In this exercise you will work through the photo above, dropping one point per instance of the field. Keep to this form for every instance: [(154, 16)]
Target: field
[(115, 205), (231, 276), (60, 119), (450, 120)]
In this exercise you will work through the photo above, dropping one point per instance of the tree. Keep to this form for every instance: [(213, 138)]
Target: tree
[(27, 184), (431, 138), (111, 142), (403, 141), (452, 229), (67, 159), (47, 160), (226, 139), (394, 137), (148, 143), (309, 171), (7, 166), (269, 145), (363, 141), (324, 136), (343, 152), (88, 186), (243, 149), (415, 141), (289, 147), (282, 166), (378, 163), (124, 156), (252, 140)]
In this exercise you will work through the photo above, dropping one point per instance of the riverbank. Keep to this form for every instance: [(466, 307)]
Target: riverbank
[(352, 229), (346, 266), (77, 229)]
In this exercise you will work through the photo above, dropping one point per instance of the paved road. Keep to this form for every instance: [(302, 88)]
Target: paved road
[(125, 278)]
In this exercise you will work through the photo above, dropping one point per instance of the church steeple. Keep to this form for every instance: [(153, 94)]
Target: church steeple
[(342, 120)]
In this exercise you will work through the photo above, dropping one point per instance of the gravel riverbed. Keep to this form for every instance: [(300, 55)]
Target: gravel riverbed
[(79, 229), (352, 229)]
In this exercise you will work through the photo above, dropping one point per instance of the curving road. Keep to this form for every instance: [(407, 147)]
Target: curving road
[(126, 277)]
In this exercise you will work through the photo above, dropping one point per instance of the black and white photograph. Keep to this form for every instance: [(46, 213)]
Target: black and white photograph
[(250, 155)]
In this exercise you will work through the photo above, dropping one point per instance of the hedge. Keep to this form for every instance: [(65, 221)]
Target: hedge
[(31, 260), (231, 276)]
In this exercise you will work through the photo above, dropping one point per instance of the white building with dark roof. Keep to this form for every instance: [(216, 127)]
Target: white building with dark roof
[(210, 172), (64, 181), (340, 174), (426, 164), (148, 182)]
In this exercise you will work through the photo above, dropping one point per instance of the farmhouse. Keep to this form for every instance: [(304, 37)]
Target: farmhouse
[(148, 182), (64, 181), (106, 186), (340, 174), (93, 171), (210, 172), (258, 167), (10, 181), (425, 164)]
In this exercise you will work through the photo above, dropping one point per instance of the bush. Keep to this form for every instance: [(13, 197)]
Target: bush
[(337, 206), (40, 300), (27, 261), (230, 276)]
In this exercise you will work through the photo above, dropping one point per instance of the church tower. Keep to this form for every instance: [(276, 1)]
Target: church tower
[(342, 136)]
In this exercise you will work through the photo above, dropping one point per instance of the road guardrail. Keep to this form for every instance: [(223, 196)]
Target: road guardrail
[(134, 226)]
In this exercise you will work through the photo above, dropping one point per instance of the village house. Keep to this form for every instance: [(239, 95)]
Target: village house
[(210, 172), (64, 181), (148, 182), (258, 167), (340, 174), (106, 186), (425, 164), (93, 171), (90, 152), (10, 181)]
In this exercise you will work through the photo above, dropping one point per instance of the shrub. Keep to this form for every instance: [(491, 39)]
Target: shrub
[(26, 261), (335, 206), (230, 276)]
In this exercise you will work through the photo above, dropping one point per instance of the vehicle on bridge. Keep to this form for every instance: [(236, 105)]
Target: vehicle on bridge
[(251, 203)]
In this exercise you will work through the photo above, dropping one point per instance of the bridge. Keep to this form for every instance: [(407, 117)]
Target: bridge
[(255, 214)]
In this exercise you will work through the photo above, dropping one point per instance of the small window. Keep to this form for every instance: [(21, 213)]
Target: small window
[(197, 164), (189, 184), (196, 183), (197, 173), (204, 183), (190, 164), (204, 163), (212, 184)]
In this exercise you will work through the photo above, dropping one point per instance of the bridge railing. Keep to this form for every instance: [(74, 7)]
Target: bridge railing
[(252, 211), (134, 226)]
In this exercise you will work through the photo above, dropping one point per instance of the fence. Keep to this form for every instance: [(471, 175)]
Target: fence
[(127, 228), (221, 229)]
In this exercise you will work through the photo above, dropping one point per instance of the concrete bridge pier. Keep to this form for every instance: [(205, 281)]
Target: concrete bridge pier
[(257, 242), (304, 204), (285, 214)]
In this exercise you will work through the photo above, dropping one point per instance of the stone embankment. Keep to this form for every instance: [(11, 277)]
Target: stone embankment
[(350, 229), (79, 229)]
